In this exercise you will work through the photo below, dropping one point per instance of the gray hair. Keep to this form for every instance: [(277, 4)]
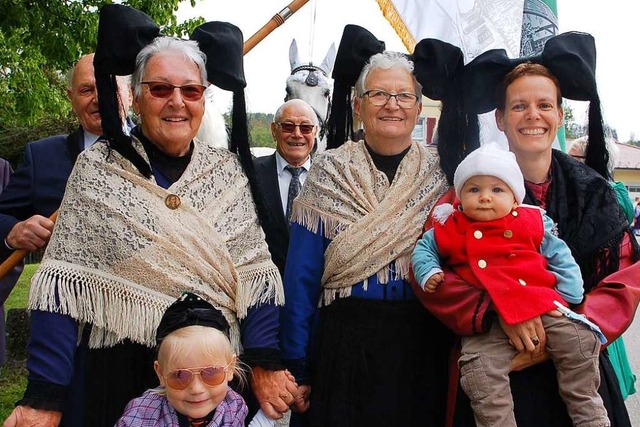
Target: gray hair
[(312, 114), (160, 45), (580, 146), (387, 60)]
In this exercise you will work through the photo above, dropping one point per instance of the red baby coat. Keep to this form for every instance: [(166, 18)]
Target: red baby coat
[(502, 257)]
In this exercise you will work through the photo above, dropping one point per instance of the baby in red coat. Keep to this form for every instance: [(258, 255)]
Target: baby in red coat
[(509, 250)]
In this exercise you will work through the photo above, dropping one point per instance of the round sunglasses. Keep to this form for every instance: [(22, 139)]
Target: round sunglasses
[(210, 375), (189, 92)]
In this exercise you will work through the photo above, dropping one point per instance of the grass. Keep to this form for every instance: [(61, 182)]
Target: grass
[(13, 377)]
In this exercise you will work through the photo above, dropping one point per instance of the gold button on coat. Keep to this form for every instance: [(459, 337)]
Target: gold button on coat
[(508, 234), (477, 234), (514, 213), (482, 263), (172, 201)]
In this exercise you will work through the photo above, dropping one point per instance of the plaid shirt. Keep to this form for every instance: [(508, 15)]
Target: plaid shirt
[(153, 410)]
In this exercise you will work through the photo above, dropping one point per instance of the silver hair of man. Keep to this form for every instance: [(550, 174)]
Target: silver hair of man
[(312, 115), (162, 45), (387, 60)]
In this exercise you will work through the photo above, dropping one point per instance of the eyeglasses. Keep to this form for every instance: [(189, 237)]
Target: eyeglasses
[(211, 376), (190, 92), (305, 129), (380, 98)]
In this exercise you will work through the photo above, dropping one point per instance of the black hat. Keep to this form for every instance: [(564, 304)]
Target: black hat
[(122, 33), (438, 67), (223, 45), (189, 310), (571, 58), (357, 46)]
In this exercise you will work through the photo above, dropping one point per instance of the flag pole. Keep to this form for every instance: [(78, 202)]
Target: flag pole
[(277, 20)]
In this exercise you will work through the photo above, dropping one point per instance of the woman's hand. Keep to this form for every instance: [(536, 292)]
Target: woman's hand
[(527, 336), (25, 416), (274, 390)]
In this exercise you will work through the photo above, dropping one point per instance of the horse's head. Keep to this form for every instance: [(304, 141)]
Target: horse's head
[(311, 83)]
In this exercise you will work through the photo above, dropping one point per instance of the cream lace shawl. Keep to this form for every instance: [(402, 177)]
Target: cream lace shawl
[(119, 256), (371, 224)]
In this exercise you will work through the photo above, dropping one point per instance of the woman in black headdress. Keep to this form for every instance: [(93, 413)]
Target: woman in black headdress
[(146, 217), (527, 93)]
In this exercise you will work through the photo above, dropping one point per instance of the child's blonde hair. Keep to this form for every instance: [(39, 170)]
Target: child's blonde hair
[(213, 342)]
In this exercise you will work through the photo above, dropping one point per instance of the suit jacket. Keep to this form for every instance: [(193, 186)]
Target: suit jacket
[(276, 227), (37, 186)]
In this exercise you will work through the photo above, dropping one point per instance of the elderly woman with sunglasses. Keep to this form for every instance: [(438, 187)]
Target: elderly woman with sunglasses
[(353, 332), (527, 94), (145, 218)]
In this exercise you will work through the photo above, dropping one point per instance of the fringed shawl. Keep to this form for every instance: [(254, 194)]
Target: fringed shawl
[(119, 255), (371, 223)]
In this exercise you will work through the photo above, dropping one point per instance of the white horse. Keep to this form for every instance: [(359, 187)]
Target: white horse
[(312, 83)]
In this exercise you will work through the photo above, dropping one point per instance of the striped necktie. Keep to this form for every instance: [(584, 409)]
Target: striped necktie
[(294, 187)]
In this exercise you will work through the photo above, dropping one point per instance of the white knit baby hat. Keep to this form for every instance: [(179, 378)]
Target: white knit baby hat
[(493, 160)]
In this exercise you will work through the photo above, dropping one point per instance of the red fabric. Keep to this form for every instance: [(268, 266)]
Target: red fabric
[(513, 271), (611, 304)]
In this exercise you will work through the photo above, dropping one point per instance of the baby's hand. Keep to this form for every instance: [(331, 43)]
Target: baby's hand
[(433, 282)]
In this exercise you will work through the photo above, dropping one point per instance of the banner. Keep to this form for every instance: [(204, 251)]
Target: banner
[(473, 25)]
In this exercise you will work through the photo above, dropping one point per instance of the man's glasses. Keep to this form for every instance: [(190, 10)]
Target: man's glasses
[(380, 98), (305, 129), (190, 92), (211, 376)]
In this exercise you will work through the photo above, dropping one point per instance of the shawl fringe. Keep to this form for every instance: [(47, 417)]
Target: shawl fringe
[(258, 285), (101, 300), (399, 270), (311, 219)]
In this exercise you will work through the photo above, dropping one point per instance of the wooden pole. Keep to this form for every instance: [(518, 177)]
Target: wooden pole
[(18, 255), (277, 20)]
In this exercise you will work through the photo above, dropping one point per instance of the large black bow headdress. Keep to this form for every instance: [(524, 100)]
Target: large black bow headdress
[(189, 310), (571, 58), (356, 47), (122, 33), (223, 45), (438, 67)]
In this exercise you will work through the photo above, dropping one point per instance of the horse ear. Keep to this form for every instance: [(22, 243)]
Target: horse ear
[(329, 60), (294, 58)]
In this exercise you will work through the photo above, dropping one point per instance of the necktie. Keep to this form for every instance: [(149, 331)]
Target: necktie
[(294, 187)]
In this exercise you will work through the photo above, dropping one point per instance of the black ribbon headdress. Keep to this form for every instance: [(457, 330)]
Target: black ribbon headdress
[(189, 310), (223, 45), (438, 67), (356, 47), (571, 58), (122, 33)]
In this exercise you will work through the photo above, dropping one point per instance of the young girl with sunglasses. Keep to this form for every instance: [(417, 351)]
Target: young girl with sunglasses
[(195, 364)]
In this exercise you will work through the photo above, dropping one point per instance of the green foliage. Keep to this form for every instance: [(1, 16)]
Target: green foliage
[(20, 294), (40, 40), (260, 130), (13, 377), (13, 382)]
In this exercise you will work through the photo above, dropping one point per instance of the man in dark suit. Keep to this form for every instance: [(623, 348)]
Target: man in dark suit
[(37, 186), (281, 174)]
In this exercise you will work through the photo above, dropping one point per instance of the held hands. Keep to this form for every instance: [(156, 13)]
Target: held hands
[(433, 282), (25, 416), (30, 234), (276, 391)]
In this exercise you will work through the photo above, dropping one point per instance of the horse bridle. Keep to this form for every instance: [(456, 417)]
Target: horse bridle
[(312, 80)]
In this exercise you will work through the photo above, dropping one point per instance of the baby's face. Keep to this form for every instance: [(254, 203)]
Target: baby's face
[(485, 198), (198, 398)]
